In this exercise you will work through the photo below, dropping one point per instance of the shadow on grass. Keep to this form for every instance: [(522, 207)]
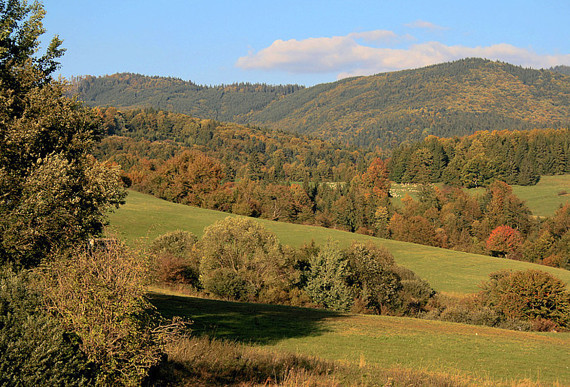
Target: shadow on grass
[(245, 322)]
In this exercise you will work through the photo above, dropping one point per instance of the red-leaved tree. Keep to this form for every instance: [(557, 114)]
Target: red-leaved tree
[(504, 240)]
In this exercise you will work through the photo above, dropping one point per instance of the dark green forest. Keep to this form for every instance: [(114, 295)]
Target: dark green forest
[(224, 102), (517, 157)]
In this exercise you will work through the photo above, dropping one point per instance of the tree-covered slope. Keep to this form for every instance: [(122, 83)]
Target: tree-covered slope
[(225, 102), (450, 99), (446, 100)]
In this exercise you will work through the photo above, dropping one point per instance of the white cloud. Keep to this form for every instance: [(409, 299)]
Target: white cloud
[(375, 36), (425, 25), (345, 56)]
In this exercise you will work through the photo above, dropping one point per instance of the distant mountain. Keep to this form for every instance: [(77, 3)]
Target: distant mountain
[(223, 103), (456, 98)]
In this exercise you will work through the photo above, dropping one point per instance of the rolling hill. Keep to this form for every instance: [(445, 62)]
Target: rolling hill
[(470, 355), (145, 217), (456, 98)]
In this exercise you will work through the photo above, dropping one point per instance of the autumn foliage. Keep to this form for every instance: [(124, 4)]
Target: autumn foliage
[(531, 294), (504, 240)]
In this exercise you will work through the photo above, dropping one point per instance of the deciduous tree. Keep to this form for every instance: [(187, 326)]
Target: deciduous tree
[(52, 192)]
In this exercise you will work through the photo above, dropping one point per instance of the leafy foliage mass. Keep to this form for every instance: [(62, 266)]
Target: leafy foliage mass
[(450, 99), (35, 349), (83, 321), (241, 260), (248, 171), (52, 192), (112, 318), (530, 294)]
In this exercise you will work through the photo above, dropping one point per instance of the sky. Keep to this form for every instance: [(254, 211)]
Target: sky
[(300, 42)]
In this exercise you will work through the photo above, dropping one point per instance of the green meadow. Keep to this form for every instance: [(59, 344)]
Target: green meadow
[(492, 356), (543, 199), (145, 217)]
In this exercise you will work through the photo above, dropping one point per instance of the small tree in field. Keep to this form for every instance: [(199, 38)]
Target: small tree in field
[(504, 240), (529, 295), (241, 259)]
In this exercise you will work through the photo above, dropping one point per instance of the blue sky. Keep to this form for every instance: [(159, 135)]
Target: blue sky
[(304, 42)]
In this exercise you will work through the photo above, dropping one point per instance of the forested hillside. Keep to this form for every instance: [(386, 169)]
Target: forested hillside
[(515, 157), (561, 69), (225, 102), (450, 99), (245, 152), (301, 179)]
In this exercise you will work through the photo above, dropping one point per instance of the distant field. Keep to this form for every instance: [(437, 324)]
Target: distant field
[(491, 354), (543, 199), (144, 217)]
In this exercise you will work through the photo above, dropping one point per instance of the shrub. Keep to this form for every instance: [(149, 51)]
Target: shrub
[(34, 347), (178, 243), (228, 284), (415, 292), (176, 261), (373, 279), (471, 310), (528, 295), (327, 282), (245, 248), (99, 295)]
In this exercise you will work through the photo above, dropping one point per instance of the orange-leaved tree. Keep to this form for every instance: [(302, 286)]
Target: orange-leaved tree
[(504, 240)]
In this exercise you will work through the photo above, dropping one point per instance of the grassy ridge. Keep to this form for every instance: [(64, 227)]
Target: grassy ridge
[(474, 351), (147, 217)]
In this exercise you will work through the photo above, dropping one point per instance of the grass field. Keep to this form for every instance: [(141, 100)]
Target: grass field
[(487, 353), (543, 199), (144, 217)]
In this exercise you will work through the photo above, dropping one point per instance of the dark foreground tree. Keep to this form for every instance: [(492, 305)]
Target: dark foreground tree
[(35, 349), (52, 192)]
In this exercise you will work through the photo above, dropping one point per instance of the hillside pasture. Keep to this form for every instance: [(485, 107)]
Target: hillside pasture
[(543, 199), (490, 355), (145, 217)]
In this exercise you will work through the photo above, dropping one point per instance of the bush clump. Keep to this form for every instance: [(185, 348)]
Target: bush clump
[(240, 260), (528, 295), (100, 295), (175, 259)]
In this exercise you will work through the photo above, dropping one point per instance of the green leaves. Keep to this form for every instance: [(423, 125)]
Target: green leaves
[(54, 194), (327, 283)]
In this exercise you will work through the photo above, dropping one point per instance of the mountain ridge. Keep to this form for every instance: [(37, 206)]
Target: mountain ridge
[(450, 99)]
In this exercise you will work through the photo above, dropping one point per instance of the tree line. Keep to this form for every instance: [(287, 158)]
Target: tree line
[(238, 259), (279, 176), (515, 157)]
